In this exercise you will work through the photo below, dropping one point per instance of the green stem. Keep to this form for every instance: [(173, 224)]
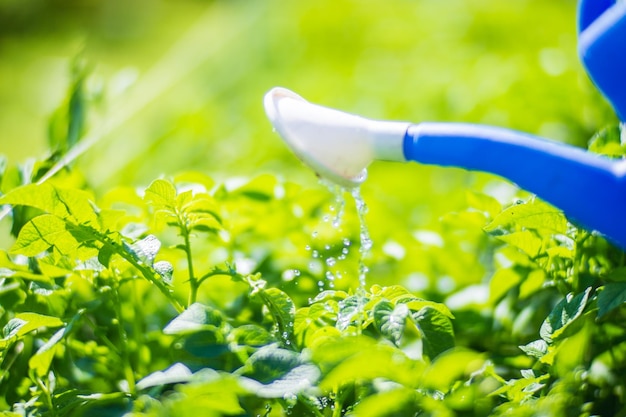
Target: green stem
[(129, 373), (193, 283), (47, 395)]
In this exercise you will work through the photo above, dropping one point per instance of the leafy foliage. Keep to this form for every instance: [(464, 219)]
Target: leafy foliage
[(188, 295)]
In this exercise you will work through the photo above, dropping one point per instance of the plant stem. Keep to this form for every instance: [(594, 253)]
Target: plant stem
[(193, 283)]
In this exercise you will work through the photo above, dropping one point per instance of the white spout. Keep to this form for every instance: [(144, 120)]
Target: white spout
[(336, 145)]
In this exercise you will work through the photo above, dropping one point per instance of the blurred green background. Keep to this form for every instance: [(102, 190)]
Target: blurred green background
[(180, 86)]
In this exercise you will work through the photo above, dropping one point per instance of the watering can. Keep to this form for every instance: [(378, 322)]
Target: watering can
[(589, 188)]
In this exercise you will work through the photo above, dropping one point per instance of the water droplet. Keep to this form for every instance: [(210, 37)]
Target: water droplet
[(314, 234), (327, 247), (325, 218), (307, 247), (345, 251), (346, 241), (315, 254), (331, 261)]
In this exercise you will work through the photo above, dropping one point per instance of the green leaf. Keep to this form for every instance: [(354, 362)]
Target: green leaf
[(176, 373), (483, 203), (533, 214), (161, 193), (351, 312), (501, 282), (291, 383), (611, 297), (41, 233), (608, 142), (373, 362), (452, 366), (68, 204), (391, 320), (397, 402), (273, 372), (563, 315), (524, 240), (282, 309), (41, 360), (536, 349), (145, 250), (251, 335), (197, 317), (24, 323), (165, 271), (437, 331), (208, 394)]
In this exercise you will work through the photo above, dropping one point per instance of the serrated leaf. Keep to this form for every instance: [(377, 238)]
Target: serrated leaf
[(195, 318), (437, 331), (611, 297), (391, 320), (563, 315), (176, 373), (534, 214)]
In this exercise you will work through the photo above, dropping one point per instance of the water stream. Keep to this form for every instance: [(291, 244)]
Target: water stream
[(336, 219)]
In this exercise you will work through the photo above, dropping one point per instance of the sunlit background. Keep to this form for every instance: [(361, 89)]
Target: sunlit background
[(178, 85)]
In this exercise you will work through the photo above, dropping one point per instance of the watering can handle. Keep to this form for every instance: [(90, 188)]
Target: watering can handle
[(602, 48), (589, 188)]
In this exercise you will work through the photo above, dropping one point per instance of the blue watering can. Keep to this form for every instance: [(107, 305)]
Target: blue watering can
[(339, 146)]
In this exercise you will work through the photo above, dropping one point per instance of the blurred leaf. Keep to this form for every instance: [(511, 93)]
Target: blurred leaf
[(437, 331), (24, 323), (501, 282), (373, 362), (453, 365), (611, 297), (608, 142), (193, 319), (251, 335), (484, 203), (395, 403), (176, 373), (524, 240)]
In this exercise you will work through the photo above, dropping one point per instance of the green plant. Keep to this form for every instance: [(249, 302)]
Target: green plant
[(192, 296)]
